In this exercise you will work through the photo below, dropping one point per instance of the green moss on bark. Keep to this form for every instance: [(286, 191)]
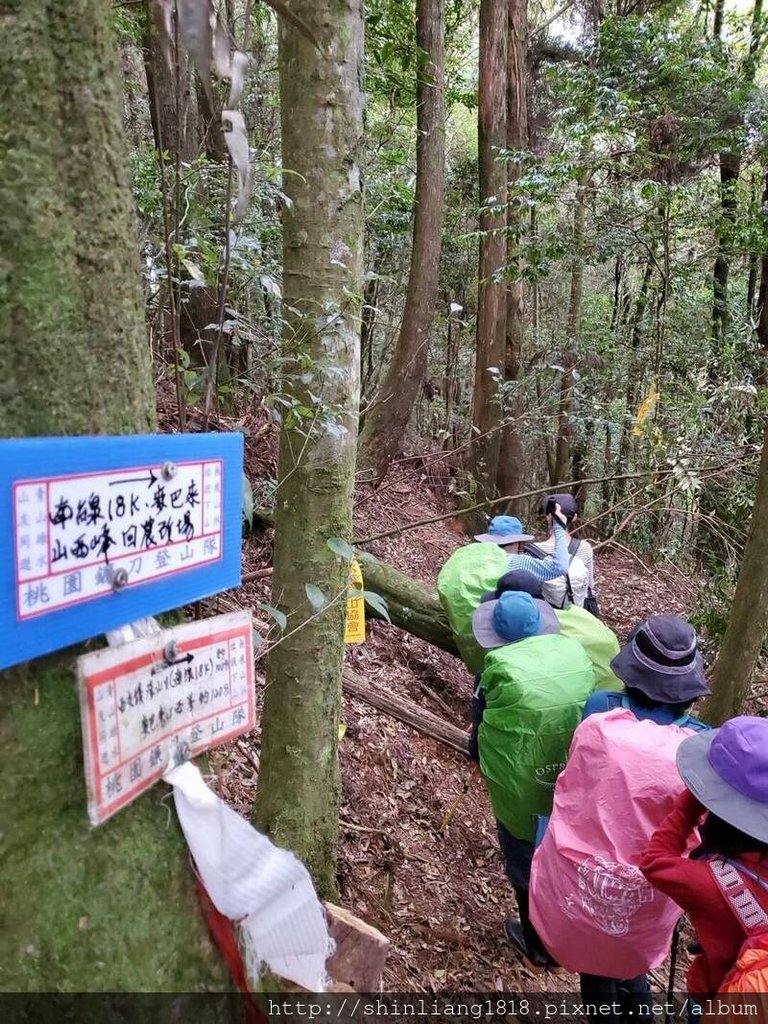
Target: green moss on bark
[(106, 909), (321, 101), (71, 304), (110, 909)]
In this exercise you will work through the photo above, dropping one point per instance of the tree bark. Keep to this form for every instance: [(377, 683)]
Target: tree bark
[(321, 103), (412, 606), (511, 464), (209, 128), (491, 302), (573, 337), (762, 309), (168, 111), (730, 167), (113, 908), (748, 618), (387, 421), (406, 711)]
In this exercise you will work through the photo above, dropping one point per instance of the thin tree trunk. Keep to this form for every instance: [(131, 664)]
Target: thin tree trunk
[(321, 104), (209, 127), (634, 379), (169, 113), (491, 303), (748, 618), (367, 328), (565, 428), (113, 908), (730, 168), (387, 421), (762, 309), (511, 456)]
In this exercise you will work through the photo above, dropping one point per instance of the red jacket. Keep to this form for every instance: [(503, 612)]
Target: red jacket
[(691, 884)]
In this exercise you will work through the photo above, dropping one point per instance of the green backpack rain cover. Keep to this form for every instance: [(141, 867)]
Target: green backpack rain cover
[(600, 643), (469, 573), (535, 691)]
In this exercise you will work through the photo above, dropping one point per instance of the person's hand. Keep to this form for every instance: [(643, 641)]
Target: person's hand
[(558, 517)]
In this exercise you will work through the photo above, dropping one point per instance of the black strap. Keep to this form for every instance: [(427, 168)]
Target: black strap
[(536, 552)]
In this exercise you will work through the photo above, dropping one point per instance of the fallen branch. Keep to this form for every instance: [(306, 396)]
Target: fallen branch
[(405, 711), (659, 474)]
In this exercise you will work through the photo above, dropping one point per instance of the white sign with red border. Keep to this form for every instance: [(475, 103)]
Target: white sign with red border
[(73, 533), (165, 697)]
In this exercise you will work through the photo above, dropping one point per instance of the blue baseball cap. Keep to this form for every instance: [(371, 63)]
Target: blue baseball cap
[(514, 616), (505, 530)]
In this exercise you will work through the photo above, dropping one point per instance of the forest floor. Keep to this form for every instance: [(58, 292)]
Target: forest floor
[(419, 857)]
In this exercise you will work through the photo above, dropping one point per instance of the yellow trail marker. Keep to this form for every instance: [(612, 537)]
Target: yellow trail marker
[(355, 628)]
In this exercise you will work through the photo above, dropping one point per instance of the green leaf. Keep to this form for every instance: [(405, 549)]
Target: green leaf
[(378, 604), (280, 617), (257, 639), (247, 502), (315, 596), (340, 547)]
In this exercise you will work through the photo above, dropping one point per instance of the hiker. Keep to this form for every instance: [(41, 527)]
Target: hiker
[(578, 586), (472, 570), (595, 912), (527, 702), (597, 639), (723, 885), (509, 533)]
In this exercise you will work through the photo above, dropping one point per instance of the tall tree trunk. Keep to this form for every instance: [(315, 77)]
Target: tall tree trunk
[(730, 168), (321, 104), (748, 618), (169, 88), (511, 456), (762, 308), (110, 909), (491, 302), (209, 128), (634, 378), (573, 337), (387, 421)]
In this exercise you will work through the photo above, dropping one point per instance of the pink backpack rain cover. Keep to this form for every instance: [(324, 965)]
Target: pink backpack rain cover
[(593, 909)]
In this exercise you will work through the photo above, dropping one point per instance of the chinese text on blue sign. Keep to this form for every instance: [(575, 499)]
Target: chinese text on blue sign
[(102, 531)]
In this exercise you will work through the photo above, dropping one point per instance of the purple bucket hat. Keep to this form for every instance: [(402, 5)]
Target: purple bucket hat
[(727, 770), (661, 659)]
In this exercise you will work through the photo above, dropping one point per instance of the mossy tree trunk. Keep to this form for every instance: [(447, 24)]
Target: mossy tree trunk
[(112, 908), (321, 102), (748, 618)]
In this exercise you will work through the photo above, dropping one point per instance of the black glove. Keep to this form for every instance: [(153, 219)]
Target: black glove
[(558, 517)]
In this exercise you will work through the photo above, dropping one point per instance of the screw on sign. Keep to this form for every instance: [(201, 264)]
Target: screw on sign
[(355, 627), (100, 531)]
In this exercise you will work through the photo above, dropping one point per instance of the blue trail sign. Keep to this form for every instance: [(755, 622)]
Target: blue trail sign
[(100, 531)]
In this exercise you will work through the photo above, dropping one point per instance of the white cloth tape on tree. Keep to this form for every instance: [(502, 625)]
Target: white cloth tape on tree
[(267, 890)]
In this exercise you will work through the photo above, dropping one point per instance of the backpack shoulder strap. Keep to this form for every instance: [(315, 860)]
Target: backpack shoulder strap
[(573, 546), (535, 551), (745, 907), (687, 721)]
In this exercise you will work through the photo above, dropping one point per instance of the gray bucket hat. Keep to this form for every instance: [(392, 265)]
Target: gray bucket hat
[(661, 659), (726, 769), (513, 616)]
